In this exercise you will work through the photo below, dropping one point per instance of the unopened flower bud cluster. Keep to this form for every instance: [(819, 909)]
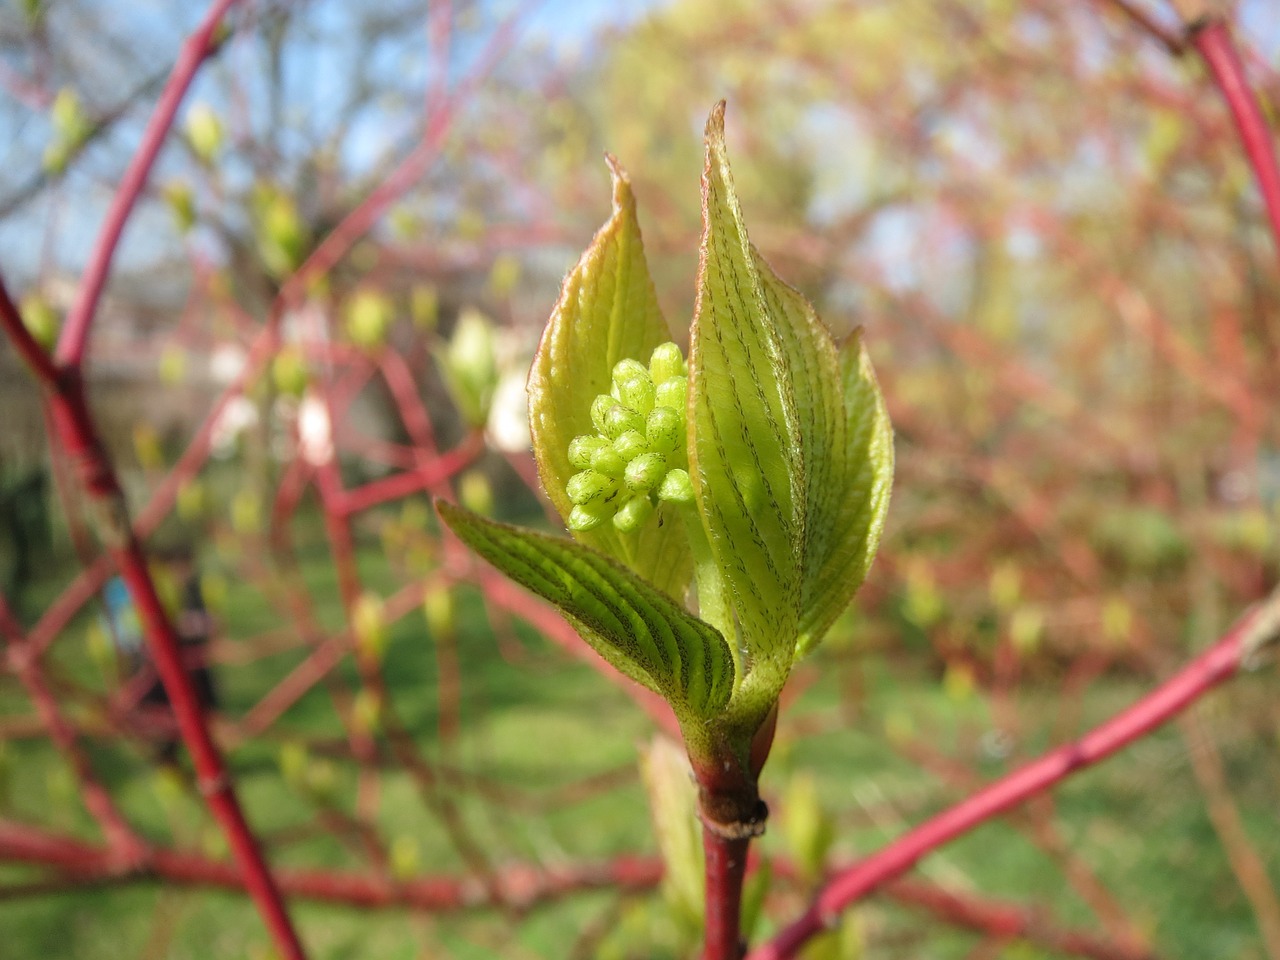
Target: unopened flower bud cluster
[(637, 456)]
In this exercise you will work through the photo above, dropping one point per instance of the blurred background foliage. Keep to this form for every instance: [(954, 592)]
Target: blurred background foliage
[(1042, 219)]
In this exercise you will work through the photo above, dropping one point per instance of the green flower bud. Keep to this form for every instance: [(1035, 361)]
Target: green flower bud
[(583, 449), (671, 393), (599, 407), (633, 514), (628, 369), (630, 445), (646, 472), (588, 486), (638, 393), (676, 487), (663, 430), (589, 516), (667, 362), (618, 420), (608, 461)]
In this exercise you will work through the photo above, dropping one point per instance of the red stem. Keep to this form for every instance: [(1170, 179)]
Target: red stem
[(1216, 664), (1007, 922), (429, 474), (79, 438), (35, 355), (519, 886), (119, 835), (1213, 41), (75, 334), (726, 870)]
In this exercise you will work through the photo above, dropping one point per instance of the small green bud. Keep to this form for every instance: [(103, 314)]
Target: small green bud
[(583, 449), (437, 608), (645, 472), (638, 393), (471, 366), (204, 131), (628, 369), (475, 492), (667, 362), (618, 420), (676, 487), (599, 407), (368, 622), (662, 428), (671, 393), (630, 445), (588, 486), (366, 712), (633, 514), (588, 516), (41, 319), (289, 372), (608, 461)]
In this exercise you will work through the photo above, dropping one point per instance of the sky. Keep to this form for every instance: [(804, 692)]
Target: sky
[(316, 78)]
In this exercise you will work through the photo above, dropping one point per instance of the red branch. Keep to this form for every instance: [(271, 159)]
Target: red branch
[(75, 334), (30, 351), (78, 436), (1219, 662), (430, 473), (726, 867), (120, 837), (1005, 921), (1213, 41), (518, 887)]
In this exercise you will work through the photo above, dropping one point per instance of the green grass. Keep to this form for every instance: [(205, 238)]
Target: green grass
[(535, 722)]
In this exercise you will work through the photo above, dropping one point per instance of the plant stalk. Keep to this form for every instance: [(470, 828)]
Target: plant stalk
[(726, 869)]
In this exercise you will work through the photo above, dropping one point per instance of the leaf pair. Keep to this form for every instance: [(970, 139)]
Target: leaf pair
[(790, 459)]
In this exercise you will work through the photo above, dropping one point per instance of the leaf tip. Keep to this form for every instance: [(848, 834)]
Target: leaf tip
[(622, 195), (715, 122), (446, 511)]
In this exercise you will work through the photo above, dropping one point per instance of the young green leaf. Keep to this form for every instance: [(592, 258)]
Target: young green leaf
[(627, 621), (746, 454), (792, 462), (607, 312), (861, 478)]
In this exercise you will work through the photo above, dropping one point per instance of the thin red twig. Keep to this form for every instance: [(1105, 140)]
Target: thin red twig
[(519, 886), (1219, 662), (78, 436), (1213, 41), (35, 356), (75, 333), (1008, 921), (120, 836)]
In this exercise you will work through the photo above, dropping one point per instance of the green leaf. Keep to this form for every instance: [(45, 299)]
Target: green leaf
[(746, 452), (627, 621), (607, 312), (791, 450), (860, 481)]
